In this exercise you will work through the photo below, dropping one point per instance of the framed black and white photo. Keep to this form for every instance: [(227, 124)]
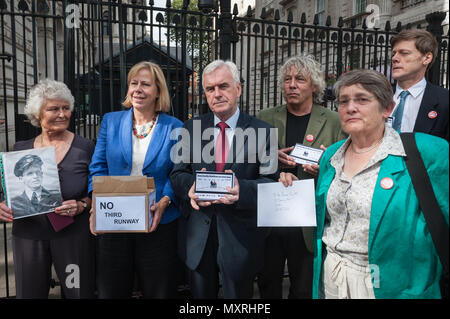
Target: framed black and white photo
[(31, 182)]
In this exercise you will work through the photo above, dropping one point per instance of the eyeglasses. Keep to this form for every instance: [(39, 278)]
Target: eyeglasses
[(360, 100)]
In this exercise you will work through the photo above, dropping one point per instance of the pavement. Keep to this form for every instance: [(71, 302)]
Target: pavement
[(55, 292)]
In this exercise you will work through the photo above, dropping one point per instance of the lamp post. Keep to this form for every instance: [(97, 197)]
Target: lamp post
[(226, 30), (224, 24)]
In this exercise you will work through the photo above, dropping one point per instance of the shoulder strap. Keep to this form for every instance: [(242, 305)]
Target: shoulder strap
[(421, 182)]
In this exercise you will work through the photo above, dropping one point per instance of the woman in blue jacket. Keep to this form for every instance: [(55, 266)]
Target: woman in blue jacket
[(137, 142), (372, 240)]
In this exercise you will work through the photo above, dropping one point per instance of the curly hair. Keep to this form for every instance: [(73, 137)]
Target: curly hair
[(308, 66), (40, 93)]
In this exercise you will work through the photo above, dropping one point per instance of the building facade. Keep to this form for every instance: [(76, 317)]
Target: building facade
[(32, 46), (290, 27)]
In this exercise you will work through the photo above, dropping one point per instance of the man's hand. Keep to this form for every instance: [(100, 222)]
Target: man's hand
[(195, 203), (285, 160), (234, 193)]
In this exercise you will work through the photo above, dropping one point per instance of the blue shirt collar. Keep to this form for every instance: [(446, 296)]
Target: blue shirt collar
[(232, 121), (414, 90)]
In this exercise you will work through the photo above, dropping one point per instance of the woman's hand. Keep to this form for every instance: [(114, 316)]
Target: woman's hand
[(69, 208), (287, 178), (313, 169), (91, 222), (158, 210), (6, 213)]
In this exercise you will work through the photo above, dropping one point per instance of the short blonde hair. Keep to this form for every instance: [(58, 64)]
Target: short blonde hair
[(163, 101), (40, 93)]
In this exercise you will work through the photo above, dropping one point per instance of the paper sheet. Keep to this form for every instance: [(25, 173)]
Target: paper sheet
[(280, 206)]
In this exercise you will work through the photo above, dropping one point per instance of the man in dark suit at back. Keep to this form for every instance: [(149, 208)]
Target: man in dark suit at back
[(221, 236), (420, 105)]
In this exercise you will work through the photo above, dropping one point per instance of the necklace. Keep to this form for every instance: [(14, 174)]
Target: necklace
[(368, 150), (145, 134)]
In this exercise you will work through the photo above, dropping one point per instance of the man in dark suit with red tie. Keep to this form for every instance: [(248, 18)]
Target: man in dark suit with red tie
[(221, 236), (420, 105)]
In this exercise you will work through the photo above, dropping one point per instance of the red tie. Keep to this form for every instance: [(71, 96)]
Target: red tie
[(222, 147)]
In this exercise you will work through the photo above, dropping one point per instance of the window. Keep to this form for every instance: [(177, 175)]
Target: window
[(408, 3), (360, 6), (320, 11)]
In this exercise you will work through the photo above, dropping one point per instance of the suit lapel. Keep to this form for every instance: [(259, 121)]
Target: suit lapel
[(390, 168), (279, 120), (316, 123), (242, 123), (125, 139), (157, 141), (429, 103)]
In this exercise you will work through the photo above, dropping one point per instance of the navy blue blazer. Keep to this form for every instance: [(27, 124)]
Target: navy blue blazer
[(435, 98), (241, 243), (113, 153)]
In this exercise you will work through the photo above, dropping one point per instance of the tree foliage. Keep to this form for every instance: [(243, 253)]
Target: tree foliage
[(199, 41)]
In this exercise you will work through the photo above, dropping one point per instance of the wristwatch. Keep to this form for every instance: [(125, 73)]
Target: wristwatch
[(170, 201), (83, 203)]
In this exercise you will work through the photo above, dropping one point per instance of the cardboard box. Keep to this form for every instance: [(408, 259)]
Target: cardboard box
[(121, 204)]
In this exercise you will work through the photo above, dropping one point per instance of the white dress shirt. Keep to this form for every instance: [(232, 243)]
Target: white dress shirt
[(140, 149), (231, 122), (412, 104)]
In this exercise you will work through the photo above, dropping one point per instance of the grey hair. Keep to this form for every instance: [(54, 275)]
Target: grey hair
[(372, 81), (43, 91), (218, 64), (308, 66)]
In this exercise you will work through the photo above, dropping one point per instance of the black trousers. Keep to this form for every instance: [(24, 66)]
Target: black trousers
[(151, 257), (73, 257), (204, 280), (286, 243)]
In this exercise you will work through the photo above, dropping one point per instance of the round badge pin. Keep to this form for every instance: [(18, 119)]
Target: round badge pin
[(309, 138), (432, 114), (387, 183)]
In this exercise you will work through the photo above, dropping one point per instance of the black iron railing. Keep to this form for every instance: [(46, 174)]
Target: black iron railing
[(91, 45)]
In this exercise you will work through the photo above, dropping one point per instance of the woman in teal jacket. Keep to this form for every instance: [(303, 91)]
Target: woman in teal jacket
[(372, 240)]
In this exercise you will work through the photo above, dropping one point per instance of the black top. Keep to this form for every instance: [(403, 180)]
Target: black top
[(73, 177), (295, 132)]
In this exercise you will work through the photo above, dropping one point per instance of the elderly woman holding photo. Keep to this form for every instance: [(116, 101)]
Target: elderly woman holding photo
[(40, 241), (372, 240), (136, 142)]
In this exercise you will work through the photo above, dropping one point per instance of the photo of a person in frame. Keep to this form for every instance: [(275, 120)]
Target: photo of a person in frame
[(35, 198)]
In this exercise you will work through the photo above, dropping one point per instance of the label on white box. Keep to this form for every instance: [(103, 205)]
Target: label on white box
[(120, 213)]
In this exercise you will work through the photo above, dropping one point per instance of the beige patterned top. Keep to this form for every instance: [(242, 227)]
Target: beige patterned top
[(349, 201)]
